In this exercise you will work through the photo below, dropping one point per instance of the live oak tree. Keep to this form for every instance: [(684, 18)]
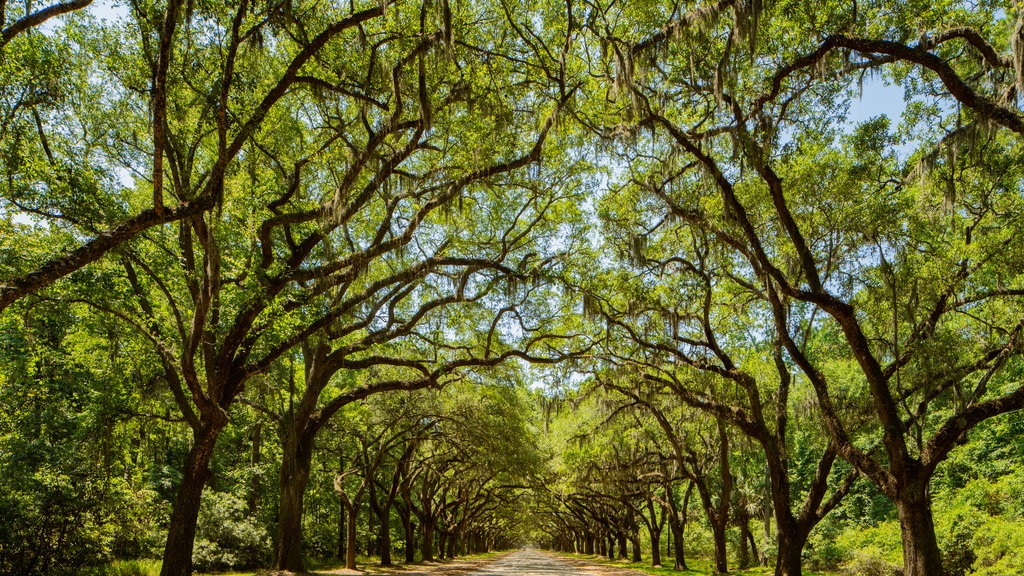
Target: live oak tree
[(686, 327), (892, 261), (103, 114)]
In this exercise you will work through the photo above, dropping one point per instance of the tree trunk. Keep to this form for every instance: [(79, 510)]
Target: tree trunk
[(588, 544), (181, 533), (634, 541), (254, 489), (350, 538), (721, 552), (371, 540), (791, 542), (745, 531), (341, 532), (680, 545), (409, 527), (405, 512), (382, 510), (427, 546), (655, 547), (384, 540), (623, 553), (296, 460), (743, 552), (654, 528), (921, 556)]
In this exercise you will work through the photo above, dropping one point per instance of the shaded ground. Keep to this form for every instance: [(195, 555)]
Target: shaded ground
[(527, 562), (537, 563)]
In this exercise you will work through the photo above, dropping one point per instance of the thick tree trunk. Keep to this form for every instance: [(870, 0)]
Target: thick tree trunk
[(371, 539), (385, 540), (655, 547), (382, 510), (296, 460), (623, 552), (634, 541), (743, 552), (410, 542), (721, 552), (791, 542), (677, 526), (588, 543), (921, 556), (427, 546), (350, 538), (405, 512), (181, 533), (342, 537)]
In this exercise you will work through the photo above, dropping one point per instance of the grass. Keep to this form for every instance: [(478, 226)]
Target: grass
[(148, 567), (144, 567), (696, 567)]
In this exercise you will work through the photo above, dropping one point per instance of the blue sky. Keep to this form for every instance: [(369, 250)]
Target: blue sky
[(878, 98)]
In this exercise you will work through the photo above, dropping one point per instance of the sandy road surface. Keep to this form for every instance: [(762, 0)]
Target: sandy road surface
[(526, 562), (535, 563)]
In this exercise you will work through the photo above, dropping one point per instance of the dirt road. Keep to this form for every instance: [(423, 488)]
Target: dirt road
[(527, 562), (536, 563)]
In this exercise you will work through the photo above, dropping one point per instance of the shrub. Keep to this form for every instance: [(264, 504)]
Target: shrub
[(999, 546), (871, 562), (226, 536)]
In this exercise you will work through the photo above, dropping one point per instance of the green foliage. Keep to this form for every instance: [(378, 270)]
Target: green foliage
[(125, 568), (228, 537), (874, 551)]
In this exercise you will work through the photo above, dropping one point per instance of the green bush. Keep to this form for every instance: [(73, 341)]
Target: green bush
[(227, 537), (874, 551), (125, 568), (871, 562), (999, 547), (955, 529)]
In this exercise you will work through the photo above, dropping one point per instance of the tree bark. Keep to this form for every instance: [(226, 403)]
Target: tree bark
[(634, 541), (341, 531), (677, 525), (921, 556), (789, 560), (296, 460), (410, 542), (350, 537), (427, 546), (655, 548), (384, 540), (182, 531), (254, 489), (721, 552), (654, 528)]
